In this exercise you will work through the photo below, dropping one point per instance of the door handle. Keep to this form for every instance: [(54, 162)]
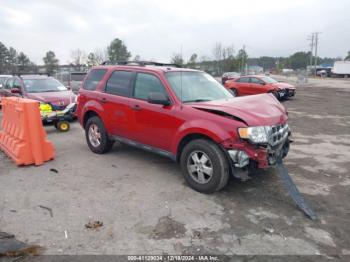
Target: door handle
[(136, 107)]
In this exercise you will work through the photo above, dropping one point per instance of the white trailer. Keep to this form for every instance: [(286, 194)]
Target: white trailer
[(341, 68)]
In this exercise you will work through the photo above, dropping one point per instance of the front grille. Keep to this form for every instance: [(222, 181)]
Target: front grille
[(278, 134)]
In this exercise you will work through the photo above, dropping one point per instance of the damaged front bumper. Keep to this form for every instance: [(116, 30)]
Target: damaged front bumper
[(244, 155)]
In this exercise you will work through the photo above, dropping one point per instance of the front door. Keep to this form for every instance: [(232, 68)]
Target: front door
[(153, 125), (256, 86)]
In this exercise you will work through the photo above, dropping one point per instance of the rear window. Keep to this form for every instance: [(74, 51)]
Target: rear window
[(94, 78), (119, 83)]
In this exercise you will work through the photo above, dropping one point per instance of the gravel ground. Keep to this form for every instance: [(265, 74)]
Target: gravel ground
[(146, 208)]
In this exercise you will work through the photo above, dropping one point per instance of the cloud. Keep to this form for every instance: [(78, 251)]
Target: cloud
[(157, 29)]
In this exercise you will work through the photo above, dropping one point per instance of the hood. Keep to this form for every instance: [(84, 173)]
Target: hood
[(282, 85), (61, 98), (255, 110)]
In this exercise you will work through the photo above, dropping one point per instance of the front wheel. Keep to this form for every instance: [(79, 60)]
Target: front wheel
[(96, 136), (204, 166)]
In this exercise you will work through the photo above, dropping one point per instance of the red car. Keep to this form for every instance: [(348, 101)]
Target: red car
[(41, 88), (256, 84), (185, 115)]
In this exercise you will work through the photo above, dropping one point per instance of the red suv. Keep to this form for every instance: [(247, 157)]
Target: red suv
[(185, 115)]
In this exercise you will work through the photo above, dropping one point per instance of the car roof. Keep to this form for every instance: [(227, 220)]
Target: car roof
[(153, 68), (253, 76)]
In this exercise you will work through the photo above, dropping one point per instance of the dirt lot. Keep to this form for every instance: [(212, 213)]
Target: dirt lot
[(146, 208)]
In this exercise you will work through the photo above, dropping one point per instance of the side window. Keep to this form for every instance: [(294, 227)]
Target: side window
[(16, 84), (119, 83), (94, 78), (9, 83), (146, 84), (243, 80), (254, 80)]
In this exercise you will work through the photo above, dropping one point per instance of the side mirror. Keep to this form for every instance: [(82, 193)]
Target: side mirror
[(262, 83), (158, 99), (15, 90)]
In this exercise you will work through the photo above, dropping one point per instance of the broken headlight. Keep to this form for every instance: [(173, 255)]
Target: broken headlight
[(256, 134)]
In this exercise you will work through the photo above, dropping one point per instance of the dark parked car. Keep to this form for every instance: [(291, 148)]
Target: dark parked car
[(229, 76), (72, 80), (185, 115)]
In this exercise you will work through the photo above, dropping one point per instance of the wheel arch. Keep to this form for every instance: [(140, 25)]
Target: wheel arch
[(187, 139), (88, 114)]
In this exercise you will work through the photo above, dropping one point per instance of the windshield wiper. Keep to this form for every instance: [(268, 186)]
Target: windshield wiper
[(197, 100)]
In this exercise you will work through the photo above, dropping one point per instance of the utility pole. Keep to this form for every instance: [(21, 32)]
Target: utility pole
[(316, 45), (311, 46)]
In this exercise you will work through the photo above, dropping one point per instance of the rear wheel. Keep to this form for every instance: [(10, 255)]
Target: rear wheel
[(96, 136), (204, 166)]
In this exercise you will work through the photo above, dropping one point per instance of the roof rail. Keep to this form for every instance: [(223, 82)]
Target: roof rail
[(140, 63)]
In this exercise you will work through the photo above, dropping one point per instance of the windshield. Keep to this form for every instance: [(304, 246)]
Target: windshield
[(43, 85), (196, 86), (269, 80)]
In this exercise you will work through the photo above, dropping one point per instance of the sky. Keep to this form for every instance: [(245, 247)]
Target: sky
[(156, 29)]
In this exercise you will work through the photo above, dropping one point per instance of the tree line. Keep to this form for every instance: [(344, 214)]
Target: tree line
[(14, 62), (223, 59)]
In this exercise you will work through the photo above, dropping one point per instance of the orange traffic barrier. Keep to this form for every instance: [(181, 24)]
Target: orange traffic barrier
[(23, 137)]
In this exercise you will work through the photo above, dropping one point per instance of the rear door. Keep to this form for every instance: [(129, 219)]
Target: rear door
[(115, 103), (152, 124)]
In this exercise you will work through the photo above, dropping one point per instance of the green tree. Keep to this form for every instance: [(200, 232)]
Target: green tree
[(242, 58), (12, 60), (177, 59), (3, 58), (23, 63), (348, 56), (117, 51), (91, 60), (298, 60), (50, 61)]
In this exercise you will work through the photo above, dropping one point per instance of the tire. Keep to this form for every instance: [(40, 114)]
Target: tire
[(216, 160), (233, 91), (62, 126), (96, 136), (276, 95)]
